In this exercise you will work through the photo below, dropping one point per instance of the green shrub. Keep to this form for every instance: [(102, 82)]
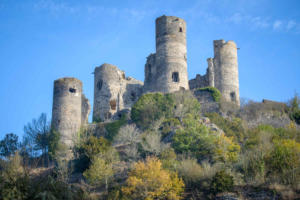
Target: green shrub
[(254, 167), (222, 182), (185, 103), (113, 127), (294, 109), (54, 138), (216, 94), (195, 139), (87, 150), (284, 161), (151, 107), (14, 182), (232, 128), (169, 125), (168, 159)]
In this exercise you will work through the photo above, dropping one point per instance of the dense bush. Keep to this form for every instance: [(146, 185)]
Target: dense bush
[(195, 138), (284, 161), (222, 182), (185, 104), (148, 180), (89, 148), (232, 128), (15, 183), (151, 107), (294, 109)]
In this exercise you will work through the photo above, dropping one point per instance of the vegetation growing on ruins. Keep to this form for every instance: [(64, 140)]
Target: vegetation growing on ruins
[(216, 94), (166, 150)]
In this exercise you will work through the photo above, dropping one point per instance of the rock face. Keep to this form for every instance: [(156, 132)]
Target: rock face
[(166, 70), (113, 91), (70, 109), (222, 72)]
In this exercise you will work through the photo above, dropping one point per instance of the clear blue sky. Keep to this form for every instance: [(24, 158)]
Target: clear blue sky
[(42, 40)]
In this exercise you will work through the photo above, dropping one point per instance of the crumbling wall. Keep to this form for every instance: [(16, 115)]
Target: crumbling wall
[(207, 101), (199, 81), (113, 92)]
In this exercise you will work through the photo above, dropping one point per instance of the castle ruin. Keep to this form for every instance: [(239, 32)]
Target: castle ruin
[(165, 71)]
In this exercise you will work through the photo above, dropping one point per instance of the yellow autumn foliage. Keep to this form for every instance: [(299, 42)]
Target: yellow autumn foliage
[(227, 150), (148, 180)]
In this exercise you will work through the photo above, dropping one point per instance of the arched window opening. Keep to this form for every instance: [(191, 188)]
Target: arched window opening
[(180, 29)]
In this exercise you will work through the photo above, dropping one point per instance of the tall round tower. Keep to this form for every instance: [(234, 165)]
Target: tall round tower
[(226, 70), (107, 81), (66, 110), (171, 58)]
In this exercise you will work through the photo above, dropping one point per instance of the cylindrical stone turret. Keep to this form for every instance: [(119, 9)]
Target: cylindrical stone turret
[(226, 70), (171, 57), (66, 110)]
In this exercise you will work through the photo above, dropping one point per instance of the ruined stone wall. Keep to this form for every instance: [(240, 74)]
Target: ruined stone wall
[(169, 67), (70, 109), (205, 80), (150, 74), (113, 91), (205, 98), (199, 81), (226, 70)]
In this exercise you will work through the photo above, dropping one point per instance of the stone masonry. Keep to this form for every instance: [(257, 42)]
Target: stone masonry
[(165, 71), (113, 91), (70, 109), (222, 72)]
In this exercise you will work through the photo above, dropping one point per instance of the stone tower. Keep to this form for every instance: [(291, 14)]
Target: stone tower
[(166, 70), (225, 65), (70, 109), (113, 92)]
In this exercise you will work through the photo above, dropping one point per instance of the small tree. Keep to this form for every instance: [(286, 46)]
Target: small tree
[(102, 168), (37, 133), (295, 108), (9, 145), (149, 181)]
